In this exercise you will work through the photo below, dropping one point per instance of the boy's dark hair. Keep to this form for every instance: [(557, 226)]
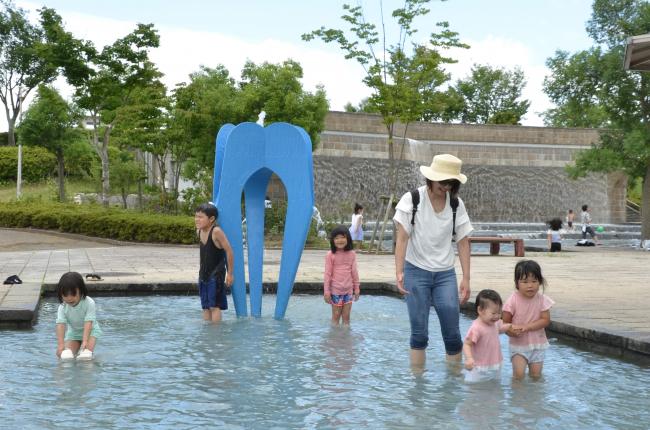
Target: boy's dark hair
[(570, 211), (555, 224), (585, 207), (528, 267), (340, 230), (209, 209), (357, 208), (69, 284), (485, 296)]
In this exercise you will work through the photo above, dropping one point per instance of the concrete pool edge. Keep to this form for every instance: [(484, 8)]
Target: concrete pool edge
[(19, 310)]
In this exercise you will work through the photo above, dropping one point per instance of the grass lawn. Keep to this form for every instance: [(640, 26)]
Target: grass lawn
[(46, 190)]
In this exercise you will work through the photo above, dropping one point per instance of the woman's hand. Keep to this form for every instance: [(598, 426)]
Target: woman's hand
[(59, 350), (400, 284), (356, 296), (229, 279), (464, 291), (328, 298)]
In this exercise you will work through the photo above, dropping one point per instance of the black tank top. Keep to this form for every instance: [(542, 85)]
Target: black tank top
[(213, 259)]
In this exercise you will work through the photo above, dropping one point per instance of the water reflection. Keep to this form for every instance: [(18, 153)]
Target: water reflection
[(152, 371)]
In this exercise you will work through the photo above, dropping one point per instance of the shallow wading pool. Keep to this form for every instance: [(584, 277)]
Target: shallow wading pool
[(159, 366)]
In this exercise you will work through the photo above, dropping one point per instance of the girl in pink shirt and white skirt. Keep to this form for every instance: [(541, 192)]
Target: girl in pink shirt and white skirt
[(529, 312), (341, 283)]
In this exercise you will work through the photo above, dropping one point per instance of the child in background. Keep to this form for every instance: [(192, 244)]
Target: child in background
[(341, 283), (529, 312), (216, 267), (77, 329), (356, 229), (554, 237), (570, 217), (482, 348)]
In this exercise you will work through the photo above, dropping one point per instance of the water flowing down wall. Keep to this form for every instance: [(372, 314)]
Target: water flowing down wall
[(516, 174)]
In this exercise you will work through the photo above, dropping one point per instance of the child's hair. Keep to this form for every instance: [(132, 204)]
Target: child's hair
[(528, 267), (585, 207), (341, 230), (570, 211), (209, 209), (485, 296), (69, 284), (357, 208), (555, 224)]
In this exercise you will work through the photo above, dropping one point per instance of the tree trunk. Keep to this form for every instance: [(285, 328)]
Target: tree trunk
[(106, 188), (11, 131), (60, 174), (645, 206)]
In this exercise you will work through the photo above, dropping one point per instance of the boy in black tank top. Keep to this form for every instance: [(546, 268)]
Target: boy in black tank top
[(216, 269)]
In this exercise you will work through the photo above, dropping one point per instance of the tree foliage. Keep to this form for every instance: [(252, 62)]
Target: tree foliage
[(491, 96), (590, 88), (32, 54), (276, 89), (119, 71), (52, 123), (406, 76)]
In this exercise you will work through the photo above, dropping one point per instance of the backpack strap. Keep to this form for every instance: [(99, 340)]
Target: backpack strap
[(453, 202), (415, 198)]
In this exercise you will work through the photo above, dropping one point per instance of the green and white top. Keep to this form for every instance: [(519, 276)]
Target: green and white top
[(74, 318)]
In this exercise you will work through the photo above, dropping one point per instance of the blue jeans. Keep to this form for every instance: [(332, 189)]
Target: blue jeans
[(437, 289)]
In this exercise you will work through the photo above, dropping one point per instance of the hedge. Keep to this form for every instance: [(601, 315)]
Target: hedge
[(37, 163), (97, 221)]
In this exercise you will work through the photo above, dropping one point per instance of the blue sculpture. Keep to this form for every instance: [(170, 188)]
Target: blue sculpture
[(246, 155)]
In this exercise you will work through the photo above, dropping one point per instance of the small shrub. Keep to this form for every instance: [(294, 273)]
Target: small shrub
[(98, 221), (37, 163)]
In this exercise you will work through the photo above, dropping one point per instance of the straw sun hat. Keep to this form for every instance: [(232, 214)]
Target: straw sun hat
[(444, 166)]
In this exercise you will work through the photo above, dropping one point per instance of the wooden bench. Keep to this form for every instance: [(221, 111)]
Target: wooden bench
[(495, 243)]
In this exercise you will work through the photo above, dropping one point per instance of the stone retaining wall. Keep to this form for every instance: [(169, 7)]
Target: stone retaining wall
[(515, 173)]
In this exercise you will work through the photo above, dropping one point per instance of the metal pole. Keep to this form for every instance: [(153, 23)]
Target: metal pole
[(19, 176)]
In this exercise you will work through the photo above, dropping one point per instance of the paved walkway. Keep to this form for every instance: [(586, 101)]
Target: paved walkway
[(601, 294)]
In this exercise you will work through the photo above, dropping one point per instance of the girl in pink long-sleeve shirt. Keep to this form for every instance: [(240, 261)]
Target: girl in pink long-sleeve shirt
[(341, 284)]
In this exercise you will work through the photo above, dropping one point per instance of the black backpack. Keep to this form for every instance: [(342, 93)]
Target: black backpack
[(453, 202)]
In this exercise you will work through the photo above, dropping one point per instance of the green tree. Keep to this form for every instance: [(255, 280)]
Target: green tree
[(126, 173), (576, 88), (143, 127), (199, 109), (32, 54), (405, 77), (52, 123), (491, 95), (119, 71), (595, 80), (276, 90)]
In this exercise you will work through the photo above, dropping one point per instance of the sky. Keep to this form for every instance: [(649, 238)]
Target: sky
[(501, 33)]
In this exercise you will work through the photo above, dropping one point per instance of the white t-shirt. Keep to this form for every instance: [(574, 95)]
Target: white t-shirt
[(429, 246)]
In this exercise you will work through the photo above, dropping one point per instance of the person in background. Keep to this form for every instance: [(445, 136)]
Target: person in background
[(356, 227)]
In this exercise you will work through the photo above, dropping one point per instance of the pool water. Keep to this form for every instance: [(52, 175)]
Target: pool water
[(159, 366)]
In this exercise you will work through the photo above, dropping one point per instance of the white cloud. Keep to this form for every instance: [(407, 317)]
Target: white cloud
[(182, 51)]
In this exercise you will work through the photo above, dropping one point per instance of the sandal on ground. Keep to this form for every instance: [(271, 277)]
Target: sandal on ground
[(13, 279), (93, 277)]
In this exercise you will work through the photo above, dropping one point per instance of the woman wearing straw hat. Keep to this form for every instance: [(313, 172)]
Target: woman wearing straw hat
[(424, 256)]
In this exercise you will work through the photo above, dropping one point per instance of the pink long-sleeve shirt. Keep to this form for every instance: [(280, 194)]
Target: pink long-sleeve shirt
[(341, 275)]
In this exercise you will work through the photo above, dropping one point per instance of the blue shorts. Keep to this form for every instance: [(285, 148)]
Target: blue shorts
[(213, 292), (341, 300)]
